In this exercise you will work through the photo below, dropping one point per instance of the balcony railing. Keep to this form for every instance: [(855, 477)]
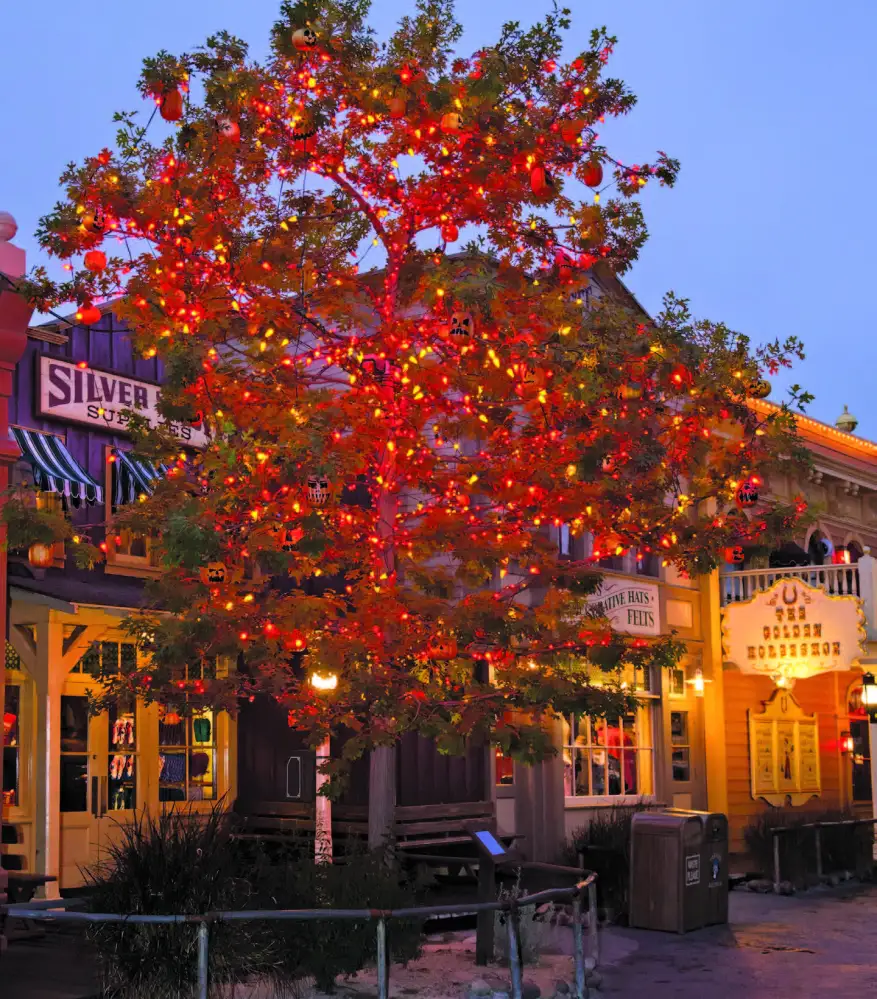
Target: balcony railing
[(837, 580)]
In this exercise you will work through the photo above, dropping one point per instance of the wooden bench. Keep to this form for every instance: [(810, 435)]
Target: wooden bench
[(22, 887)]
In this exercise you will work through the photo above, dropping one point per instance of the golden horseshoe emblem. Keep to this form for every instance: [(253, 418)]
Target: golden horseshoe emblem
[(794, 598)]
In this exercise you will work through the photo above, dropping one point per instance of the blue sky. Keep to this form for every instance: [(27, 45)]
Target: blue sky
[(770, 104)]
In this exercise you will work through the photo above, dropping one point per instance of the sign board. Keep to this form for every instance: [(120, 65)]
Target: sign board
[(692, 870), (97, 398), (784, 752), (630, 606), (793, 631)]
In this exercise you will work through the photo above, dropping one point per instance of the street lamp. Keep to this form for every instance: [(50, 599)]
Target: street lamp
[(869, 695), (324, 683)]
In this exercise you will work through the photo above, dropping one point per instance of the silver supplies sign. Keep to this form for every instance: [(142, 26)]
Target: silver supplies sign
[(631, 607), (99, 398)]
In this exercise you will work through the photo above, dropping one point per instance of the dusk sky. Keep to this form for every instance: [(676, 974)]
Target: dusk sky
[(769, 104)]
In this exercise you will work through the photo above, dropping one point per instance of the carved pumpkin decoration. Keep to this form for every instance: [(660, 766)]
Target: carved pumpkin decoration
[(759, 389), (215, 574), (171, 106), (593, 174), (95, 261), (461, 324), (88, 315), (304, 40), (94, 222), (40, 555), (319, 489), (747, 494), (451, 123), (441, 648), (541, 183), (735, 555), (170, 716)]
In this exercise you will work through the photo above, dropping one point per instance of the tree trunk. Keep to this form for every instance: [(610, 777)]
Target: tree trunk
[(381, 795)]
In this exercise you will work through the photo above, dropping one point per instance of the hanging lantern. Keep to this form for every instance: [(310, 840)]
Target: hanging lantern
[(88, 315), (593, 175), (296, 640), (228, 129), (747, 494), (734, 555), (451, 123), (541, 183), (305, 142), (304, 40), (450, 232), (40, 555), (680, 377), (441, 648), (171, 106), (318, 490), (94, 222), (215, 574), (95, 261), (398, 106), (461, 324)]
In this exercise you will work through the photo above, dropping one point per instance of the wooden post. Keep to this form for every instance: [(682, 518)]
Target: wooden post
[(818, 836), (485, 920), (776, 862), (381, 796), (15, 316), (323, 848)]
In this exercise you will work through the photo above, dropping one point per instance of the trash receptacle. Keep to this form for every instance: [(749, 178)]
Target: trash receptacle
[(678, 870)]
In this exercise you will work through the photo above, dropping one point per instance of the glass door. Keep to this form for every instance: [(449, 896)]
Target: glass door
[(116, 779), (78, 789)]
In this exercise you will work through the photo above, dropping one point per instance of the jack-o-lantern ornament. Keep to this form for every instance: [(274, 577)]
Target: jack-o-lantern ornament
[(541, 183), (40, 555), (759, 389), (304, 40), (94, 222), (461, 324), (171, 106), (214, 574), (593, 174), (88, 315), (95, 261), (747, 493), (734, 555), (319, 490), (228, 130), (451, 123), (441, 648), (168, 716), (289, 537)]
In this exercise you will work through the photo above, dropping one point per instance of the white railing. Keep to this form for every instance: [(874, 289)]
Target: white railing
[(838, 580)]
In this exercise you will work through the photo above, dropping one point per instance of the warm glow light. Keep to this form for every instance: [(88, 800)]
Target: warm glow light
[(327, 682)]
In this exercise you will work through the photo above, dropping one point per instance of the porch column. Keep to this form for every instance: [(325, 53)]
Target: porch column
[(714, 694), (49, 682), (868, 592), (539, 803), (15, 316)]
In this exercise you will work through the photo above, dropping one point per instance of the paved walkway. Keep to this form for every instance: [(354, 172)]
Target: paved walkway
[(821, 943)]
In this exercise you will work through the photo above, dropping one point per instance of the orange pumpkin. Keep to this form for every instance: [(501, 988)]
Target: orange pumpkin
[(40, 555), (593, 175), (93, 222), (95, 261), (747, 494), (171, 107), (442, 647), (88, 315), (735, 555), (214, 574), (171, 717)]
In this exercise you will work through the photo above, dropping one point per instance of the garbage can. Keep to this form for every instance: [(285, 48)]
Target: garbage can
[(678, 870)]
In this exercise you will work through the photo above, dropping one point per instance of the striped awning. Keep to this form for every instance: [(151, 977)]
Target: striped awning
[(55, 469), (133, 477)]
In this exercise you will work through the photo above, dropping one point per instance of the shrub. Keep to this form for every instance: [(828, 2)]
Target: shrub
[(844, 848), (605, 845), (532, 932), (188, 863)]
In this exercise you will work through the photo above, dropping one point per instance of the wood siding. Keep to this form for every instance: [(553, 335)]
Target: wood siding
[(826, 696)]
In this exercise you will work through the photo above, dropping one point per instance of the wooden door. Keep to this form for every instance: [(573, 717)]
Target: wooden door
[(684, 738), (79, 788)]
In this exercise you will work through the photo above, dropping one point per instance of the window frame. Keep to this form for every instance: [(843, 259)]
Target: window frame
[(121, 562)]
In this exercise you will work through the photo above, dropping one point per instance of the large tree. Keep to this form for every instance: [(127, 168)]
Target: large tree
[(396, 421)]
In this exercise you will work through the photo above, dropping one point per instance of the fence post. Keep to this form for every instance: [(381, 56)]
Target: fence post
[(818, 833), (776, 860), (383, 977), (593, 929), (515, 952), (578, 946), (203, 958)]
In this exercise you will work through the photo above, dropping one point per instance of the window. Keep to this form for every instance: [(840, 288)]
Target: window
[(680, 742), (12, 745), (504, 769), (648, 564), (122, 763), (108, 659), (608, 756), (187, 749), (74, 754), (676, 682), (860, 758)]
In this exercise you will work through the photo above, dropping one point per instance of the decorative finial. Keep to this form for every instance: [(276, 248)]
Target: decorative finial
[(846, 422), (8, 227)]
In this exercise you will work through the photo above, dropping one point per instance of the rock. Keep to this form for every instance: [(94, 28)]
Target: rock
[(762, 885), (479, 987), (785, 888), (590, 963), (846, 876), (561, 988), (530, 990)]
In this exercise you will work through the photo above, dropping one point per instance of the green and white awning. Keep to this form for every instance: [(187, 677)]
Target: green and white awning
[(55, 469), (133, 477)]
